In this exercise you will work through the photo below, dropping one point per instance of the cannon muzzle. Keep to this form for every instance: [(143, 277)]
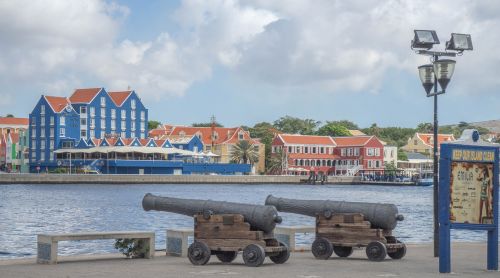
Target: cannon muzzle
[(384, 216), (259, 217)]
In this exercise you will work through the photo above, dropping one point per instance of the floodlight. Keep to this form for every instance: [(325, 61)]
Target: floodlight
[(459, 42), (424, 39), (444, 71), (426, 73)]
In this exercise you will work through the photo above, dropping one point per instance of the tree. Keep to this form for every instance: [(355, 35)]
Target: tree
[(402, 155), (9, 116), (209, 124), (333, 129), (265, 132), (294, 125), (345, 123), (275, 165), (425, 128), (244, 152), (153, 124)]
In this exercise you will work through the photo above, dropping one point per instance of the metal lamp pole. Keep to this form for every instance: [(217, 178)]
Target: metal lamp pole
[(436, 166)]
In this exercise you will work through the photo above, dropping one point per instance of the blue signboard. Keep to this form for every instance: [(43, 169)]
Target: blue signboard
[(468, 194)]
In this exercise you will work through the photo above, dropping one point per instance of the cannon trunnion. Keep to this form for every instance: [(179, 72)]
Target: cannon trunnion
[(223, 229), (341, 226)]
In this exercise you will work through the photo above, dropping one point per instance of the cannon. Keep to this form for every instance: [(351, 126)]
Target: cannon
[(225, 228), (340, 226)]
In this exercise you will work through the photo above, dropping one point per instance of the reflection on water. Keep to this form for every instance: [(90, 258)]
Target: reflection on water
[(28, 210)]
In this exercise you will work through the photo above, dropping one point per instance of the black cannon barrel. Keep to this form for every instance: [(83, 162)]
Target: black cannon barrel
[(384, 216), (259, 217)]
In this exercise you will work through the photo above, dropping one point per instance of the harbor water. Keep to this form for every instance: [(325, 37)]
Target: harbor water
[(28, 210)]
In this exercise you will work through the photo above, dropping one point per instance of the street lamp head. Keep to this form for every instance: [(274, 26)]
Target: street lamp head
[(459, 42), (426, 73), (444, 71), (424, 39)]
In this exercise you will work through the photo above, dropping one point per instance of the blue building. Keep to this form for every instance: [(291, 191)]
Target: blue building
[(60, 122)]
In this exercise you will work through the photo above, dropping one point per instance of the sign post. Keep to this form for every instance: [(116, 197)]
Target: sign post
[(468, 194)]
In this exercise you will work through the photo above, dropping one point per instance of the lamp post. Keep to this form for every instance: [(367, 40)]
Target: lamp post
[(432, 75)]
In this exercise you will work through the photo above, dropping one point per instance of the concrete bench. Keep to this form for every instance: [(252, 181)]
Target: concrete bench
[(177, 239), (286, 234), (47, 243)]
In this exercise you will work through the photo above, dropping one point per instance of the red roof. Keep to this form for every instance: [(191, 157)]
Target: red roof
[(14, 121), (352, 140), (57, 103), (119, 97), (306, 139), (428, 138), (84, 95), (224, 135)]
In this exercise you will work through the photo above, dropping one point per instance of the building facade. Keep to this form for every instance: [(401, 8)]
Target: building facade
[(359, 153), (217, 140), (302, 154), (13, 125), (424, 143), (60, 122), (391, 155)]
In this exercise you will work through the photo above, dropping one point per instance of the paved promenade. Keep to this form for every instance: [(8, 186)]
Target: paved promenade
[(469, 260)]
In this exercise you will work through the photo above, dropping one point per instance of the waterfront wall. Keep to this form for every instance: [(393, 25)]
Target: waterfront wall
[(160, 179)]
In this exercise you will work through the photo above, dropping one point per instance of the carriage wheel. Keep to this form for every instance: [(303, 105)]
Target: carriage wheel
[(226, 256), (342, 251), (322, 248), (376, 251), (399, 253), (254, 255), (199, 253), (282, 256)]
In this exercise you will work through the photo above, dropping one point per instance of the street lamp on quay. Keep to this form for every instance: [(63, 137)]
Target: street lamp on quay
[(438, 72)]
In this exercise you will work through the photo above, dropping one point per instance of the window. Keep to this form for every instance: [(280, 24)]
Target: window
[(132, 103), (370, 152), (42, 156), (51, 132), (33, 144), (42, 144), (377, 151), (133, 126), (83, 109), (123, 125), (113, 114), (92, 133), (42, 109), (342, 152), (52, 120), (240, 136), (42, 121), (142, 126), (113, 125), (33, 155), (306, 149), (124, 115), (33, 132), (102, 134), (356, 151), (132, 115), (92, 123), (142, 136), (143, 115), (83, 122), (62, 132), (377, 164), (33, 120), (83, 133), (42, 132), (103, 101), (289, 149), (51, 144), (314, 150), (103, 112), (92, 111), (103, 123), (62, 120), (123, 134), (67, 145), (322, 150)]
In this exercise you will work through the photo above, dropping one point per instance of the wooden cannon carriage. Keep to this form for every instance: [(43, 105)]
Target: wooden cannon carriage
[(340, 233), (224, 235)]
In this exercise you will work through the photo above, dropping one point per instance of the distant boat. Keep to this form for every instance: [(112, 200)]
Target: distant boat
[(425, 179)]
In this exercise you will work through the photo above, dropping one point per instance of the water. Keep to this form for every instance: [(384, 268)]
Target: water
[(28, 210)]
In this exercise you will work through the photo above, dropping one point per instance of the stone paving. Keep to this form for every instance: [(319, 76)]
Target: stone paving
[(468, 260)]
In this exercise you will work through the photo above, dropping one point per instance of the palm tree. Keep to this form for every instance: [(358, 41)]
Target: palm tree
[(244, 152), (276, 163)]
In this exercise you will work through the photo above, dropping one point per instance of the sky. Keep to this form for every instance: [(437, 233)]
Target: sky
[(247, 61)]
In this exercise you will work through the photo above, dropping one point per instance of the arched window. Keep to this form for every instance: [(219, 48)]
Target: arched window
[(328, 163), (307, 162), (318, 162)]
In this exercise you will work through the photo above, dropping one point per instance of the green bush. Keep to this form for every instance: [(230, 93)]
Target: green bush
[(131, 247)]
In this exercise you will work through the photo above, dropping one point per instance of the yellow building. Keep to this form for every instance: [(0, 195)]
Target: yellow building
[(424, 142)]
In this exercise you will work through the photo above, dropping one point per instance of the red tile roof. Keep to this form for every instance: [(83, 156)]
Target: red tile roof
[(84, 95), (428, 138), (306, 139), (352, 140), (57, 103), (225, 135), (119, 97), (14, 121)]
